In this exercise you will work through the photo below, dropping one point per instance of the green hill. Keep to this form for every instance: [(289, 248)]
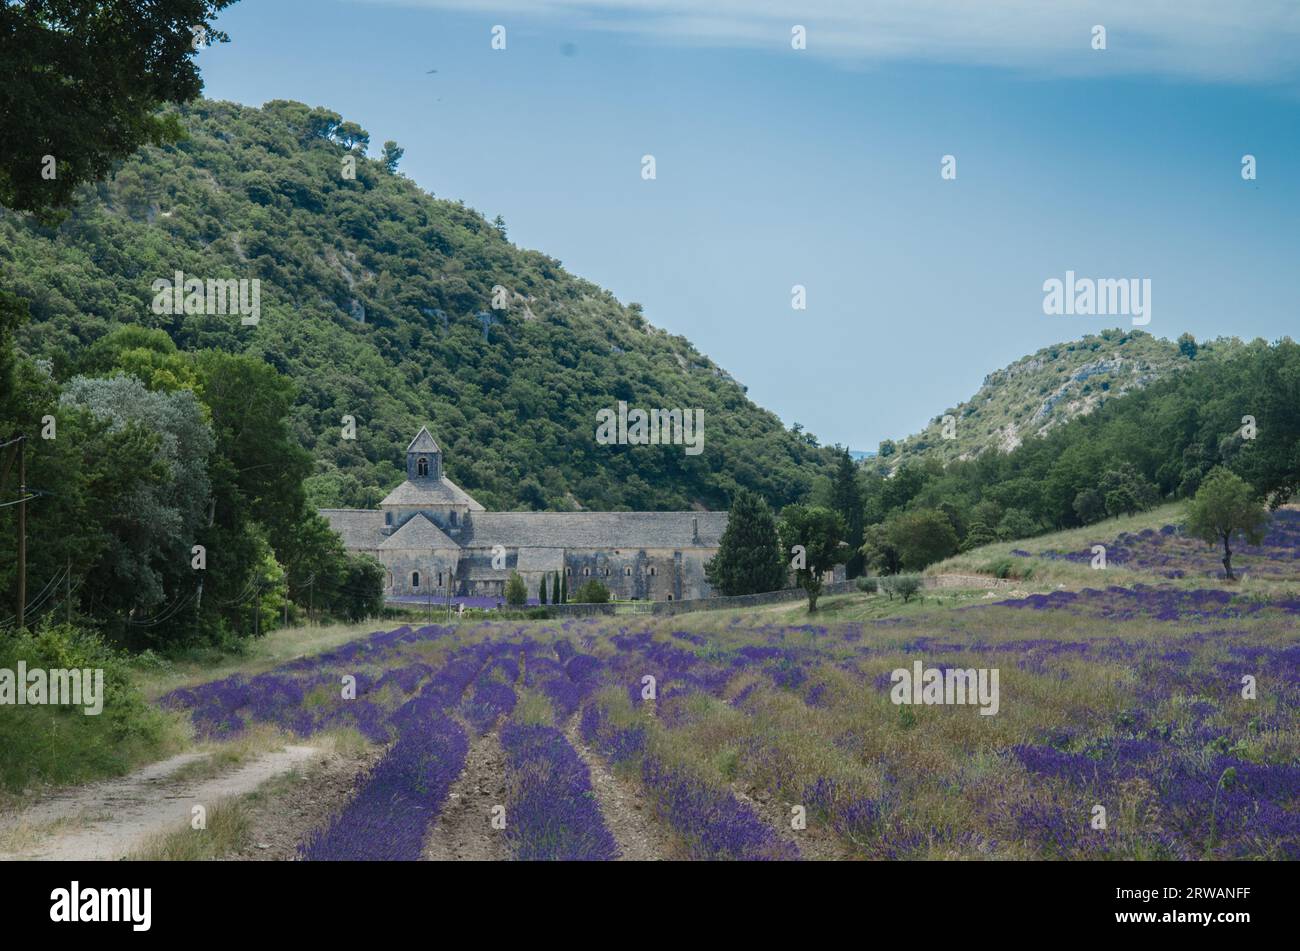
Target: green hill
[(1039, 392), (376, 299)]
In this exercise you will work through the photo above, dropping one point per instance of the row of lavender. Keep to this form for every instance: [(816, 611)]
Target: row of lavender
[(1210, 800)]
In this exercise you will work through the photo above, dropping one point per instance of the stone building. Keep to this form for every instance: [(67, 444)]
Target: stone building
[(434, 539)]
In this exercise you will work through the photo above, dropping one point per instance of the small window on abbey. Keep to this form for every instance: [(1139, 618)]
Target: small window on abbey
[(422, 466)]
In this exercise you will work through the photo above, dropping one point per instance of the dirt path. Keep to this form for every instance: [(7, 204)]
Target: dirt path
[(627, 813), (463, 831), (109, 820), (284, 813), (815, 842)]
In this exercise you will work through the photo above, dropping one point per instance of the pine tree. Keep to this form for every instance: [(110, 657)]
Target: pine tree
[(749, 555), (541, 591)]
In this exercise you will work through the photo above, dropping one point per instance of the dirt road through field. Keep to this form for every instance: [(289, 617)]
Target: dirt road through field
[(109, 820)]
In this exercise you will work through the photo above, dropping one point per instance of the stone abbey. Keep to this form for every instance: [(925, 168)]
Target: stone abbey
[(435, 539)]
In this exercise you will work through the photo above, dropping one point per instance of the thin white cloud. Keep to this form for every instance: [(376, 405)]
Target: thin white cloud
[(1208, 40)]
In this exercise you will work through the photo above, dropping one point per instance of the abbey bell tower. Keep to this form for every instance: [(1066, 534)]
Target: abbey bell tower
[(423, 458)]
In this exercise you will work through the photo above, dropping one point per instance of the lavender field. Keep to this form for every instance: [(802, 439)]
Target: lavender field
[(755, 739), (1170, 553)]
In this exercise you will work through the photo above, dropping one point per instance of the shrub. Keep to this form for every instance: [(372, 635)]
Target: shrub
[(516, 592), (907, 586), (869, 585), (592, 592), (61, 744), (1000, 568)]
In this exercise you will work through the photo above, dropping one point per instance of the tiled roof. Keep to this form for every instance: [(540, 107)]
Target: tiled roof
[(431, 492), (592, 529), (418, 533), (423, 442), (360, 528), (540, 559)]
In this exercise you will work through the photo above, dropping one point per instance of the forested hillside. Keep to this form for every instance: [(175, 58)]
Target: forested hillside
[(1238, 410), (1041, 391), (377, 302)]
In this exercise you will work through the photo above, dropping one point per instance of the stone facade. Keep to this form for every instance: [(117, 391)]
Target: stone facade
[(435, 540)]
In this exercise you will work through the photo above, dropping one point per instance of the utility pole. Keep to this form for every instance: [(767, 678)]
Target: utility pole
[(22, 532), (67, 589)]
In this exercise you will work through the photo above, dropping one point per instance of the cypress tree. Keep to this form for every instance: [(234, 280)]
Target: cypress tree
[(749, 557), (846, 498), (555, 588), (541, 591)]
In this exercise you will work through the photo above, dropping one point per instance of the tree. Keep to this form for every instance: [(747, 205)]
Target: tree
[(146, 564), (879, 551), (1225, 506), (1089, 506), (555, 587), (977, 534), (749, 555), (814, 537), (564, 589), (541, 590), (1187, 346), (846, 499), (921, 538), (1017, 523), (392, 155), (1125, 491), (516, 593), (591, 592), (905, 586), (351, 136), (85, 80)]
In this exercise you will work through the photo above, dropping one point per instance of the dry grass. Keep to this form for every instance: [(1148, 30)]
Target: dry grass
[(227, 830)]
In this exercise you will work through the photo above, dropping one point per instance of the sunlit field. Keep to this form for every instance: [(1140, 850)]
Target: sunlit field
[(1127, 726)]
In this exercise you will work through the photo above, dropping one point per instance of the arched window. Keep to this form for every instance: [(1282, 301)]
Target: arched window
[(390, 580), (586, 571), (415, 580), (606, 572), (422, 466), (652, 569), (627, 572)]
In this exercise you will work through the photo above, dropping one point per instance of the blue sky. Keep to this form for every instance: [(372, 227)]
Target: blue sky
[(821, 167)]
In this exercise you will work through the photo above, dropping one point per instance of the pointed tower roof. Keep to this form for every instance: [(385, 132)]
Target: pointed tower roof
[(423, 442)]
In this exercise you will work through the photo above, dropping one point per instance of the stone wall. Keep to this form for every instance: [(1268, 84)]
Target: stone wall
[(642, 574), (698, 604)]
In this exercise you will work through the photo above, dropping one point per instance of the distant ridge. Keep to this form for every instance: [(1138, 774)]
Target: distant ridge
[(1041, 391)]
